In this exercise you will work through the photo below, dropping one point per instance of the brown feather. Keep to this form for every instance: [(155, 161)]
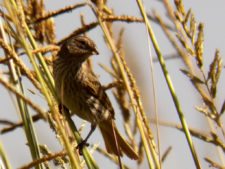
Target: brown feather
[(106, 128), (79, 89)]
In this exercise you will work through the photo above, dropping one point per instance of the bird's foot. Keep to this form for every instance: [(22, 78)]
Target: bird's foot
[(81, 145)]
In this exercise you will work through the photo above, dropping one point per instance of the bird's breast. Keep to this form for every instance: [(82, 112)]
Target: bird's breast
[(73, 91)]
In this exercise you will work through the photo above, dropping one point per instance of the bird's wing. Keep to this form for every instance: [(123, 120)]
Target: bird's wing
[(94, 89)]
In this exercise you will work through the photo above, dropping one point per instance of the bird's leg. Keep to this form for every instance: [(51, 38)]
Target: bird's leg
[(84, 142), (93, 127)]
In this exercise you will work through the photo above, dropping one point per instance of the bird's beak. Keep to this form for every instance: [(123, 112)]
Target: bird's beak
[(95, 51)]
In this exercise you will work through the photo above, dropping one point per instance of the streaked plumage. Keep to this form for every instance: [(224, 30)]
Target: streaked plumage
[(80, 91)]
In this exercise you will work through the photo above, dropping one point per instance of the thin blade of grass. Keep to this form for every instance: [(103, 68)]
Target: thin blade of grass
[(170, 85)]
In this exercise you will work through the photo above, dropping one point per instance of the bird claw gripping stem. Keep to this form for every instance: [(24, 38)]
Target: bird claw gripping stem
[(81, 145)]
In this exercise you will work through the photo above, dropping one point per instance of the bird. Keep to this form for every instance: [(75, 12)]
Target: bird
[(79, 89)]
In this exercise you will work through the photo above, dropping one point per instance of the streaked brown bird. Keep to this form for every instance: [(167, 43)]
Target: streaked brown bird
[(79, 90)]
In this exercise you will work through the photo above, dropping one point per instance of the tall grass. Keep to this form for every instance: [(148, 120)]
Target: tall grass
[(28, 31)]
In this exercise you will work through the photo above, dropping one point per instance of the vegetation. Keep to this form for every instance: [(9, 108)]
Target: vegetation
[(28, 32)]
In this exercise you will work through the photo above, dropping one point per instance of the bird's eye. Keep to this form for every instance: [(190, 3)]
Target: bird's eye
[(82, 44)]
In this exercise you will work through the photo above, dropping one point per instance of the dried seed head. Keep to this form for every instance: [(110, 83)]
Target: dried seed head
[(180, 7), (199, 45)]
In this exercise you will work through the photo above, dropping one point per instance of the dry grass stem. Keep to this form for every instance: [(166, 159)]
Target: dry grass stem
[(43, 159), (34, 106), (166, 153), (29, 47), (13, 125), (20, 64), (59, 12), (206, 137), (214, 164), (112, 158)]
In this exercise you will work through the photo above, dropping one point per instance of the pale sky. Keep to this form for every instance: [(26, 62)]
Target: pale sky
[(211, 13)]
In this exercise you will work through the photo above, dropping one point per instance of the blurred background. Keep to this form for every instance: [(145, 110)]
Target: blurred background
[(210, 13)]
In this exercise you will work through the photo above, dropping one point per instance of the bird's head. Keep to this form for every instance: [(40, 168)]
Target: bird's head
[(78, 47)]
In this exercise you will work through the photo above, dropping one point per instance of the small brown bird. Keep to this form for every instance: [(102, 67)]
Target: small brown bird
[(79, 90)]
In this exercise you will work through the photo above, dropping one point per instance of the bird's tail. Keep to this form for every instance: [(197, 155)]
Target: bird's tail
[(108, 129)]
